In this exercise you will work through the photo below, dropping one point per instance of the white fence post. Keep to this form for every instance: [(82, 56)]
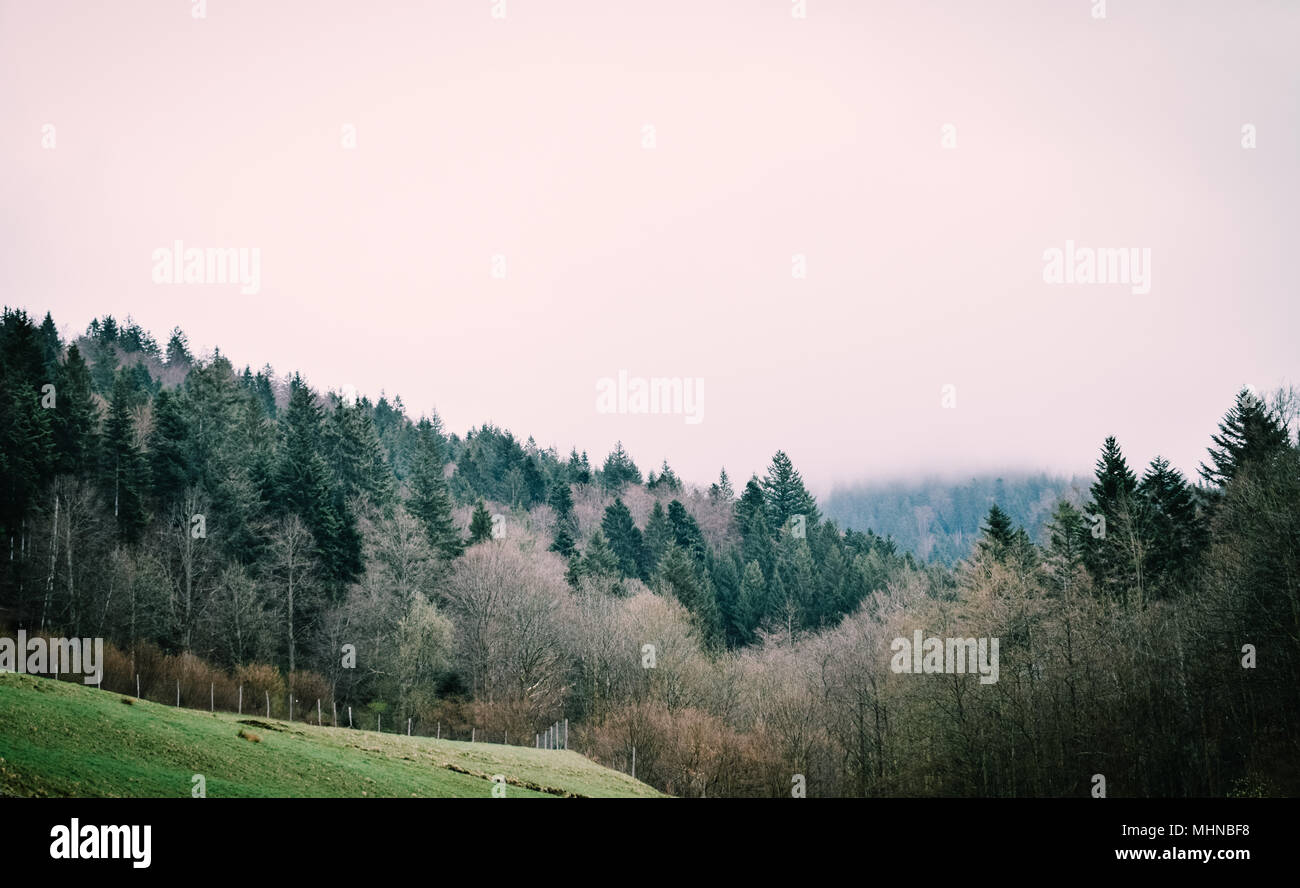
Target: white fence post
[(241, 699)]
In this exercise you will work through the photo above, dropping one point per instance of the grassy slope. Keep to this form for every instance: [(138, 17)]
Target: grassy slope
[(64, 739)]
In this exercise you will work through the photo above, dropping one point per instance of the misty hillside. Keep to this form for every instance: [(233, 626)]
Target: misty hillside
[(940, 520)]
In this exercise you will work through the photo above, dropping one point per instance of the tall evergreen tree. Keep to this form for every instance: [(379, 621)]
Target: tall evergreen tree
[(785, 495), (624, 539), (124, 469), (619, 470), (999, 534), (304, 486), (1177, 531), (1250, 432), (480, 524), (429, 500)]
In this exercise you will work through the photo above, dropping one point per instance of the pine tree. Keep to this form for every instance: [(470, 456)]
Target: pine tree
[(51, 346), (480, 524), (722, 488), (351, 446), (1067, 544), (785, 495), (75, 414), (579, 468), (1116, 554), (1115, 481), (561, 501), (686, 532), (429, 500), (304, 486), (624, 539), (754, 603), (563, 543), (619, 470), (599, 560), (999, 534), (124, 469), (658, 535), (178, 349), (679, 576), (169, 449), (1178, 534), (1249, 433), (667, 480)]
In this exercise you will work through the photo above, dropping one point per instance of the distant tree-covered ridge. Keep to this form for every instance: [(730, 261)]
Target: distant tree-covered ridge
[(940, 520)]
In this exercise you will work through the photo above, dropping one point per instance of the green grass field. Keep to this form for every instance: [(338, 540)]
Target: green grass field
[(61, 739)]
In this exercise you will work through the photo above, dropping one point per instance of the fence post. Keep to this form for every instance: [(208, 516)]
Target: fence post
[(537, 741), (291, 707), (319, 723), (439, 736), (241, 699), (335, 706), (349, 716), (633, 762), (212, 696), (566, 733), (408, 726), (268, 704), (472, 732), (507, 738), (178, 692), (137, 686)]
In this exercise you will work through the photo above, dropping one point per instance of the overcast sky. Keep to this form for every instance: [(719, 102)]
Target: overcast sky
[(526, 137)]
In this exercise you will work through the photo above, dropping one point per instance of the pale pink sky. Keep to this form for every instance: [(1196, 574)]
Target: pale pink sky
[(775, 136)]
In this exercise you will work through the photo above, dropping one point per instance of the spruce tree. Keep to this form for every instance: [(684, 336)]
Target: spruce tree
[(124, 469), (785, 495), (1249, 433), (999, 534), (429, 500), (619, 470), (75, 413), (1178, 533), (480, 524), (599, 559), (624, 539), (658, 535)]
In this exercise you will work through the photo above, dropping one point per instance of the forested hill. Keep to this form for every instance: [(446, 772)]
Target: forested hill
[(940, 520), (227, 527)]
